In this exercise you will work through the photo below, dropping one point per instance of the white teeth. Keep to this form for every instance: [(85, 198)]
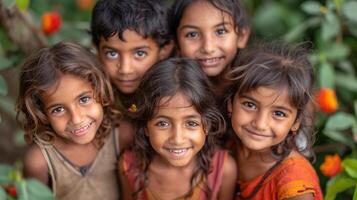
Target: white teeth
[(210, 60), (84, 128), (177, 151)]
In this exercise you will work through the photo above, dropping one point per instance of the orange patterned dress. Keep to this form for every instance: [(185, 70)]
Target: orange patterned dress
[(294, 176)]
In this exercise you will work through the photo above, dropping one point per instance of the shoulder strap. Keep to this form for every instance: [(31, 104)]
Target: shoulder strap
[(44, 151)]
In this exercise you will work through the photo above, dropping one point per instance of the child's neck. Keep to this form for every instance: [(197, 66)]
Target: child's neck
[(253, 163), (78, 154)]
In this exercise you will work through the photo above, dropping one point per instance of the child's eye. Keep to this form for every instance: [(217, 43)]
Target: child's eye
[(57, 110), (192, 124), (221, 31), (84, 100), (191, 35), (162, 124), (140, 54), (279, 113), (111, 54), (249, 105)]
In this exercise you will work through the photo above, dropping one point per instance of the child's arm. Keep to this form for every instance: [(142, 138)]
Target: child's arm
[(126, 191), (227, 189), (308, 196), (35, 165)]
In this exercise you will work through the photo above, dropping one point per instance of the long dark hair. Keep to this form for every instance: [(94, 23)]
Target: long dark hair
[(166, 79), (280, 66), (44, 69)]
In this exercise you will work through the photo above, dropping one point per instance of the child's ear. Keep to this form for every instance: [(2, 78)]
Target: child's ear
[(166, 50), (243, 37), (296, 125)]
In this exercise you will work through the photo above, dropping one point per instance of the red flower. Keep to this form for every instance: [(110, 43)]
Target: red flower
[(51, 22), (331, 165), (11, 190), (85, 5), (327, 100)]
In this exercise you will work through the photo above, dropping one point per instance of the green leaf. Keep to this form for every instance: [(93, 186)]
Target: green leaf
[(22, 193), (350, 166), (326, 75), (340, 121), (349, 10), (299, 30), (19, 138), (338, 184), (3, 86), (346, 81), (355, 106), (337, 51), (330, 27), (2, 193), (338, 136), (5, 178), (355, 193), (311, 7), (39, 191), (5, 63), (22, 4)]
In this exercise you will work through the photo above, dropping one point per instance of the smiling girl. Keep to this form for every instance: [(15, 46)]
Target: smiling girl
[(65, 105)]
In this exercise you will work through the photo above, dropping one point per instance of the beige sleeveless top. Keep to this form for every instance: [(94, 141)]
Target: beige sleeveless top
[(97, 181)]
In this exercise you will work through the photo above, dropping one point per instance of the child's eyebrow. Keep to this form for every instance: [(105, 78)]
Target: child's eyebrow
[(77, 97), (275, 107), (224, 23)]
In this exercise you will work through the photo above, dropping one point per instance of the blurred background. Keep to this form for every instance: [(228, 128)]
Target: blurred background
[(330, 26)]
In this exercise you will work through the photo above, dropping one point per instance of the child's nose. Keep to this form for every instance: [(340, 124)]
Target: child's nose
[(260, 122), (124, 65), (76, 116), (177, 136), (208, 45)]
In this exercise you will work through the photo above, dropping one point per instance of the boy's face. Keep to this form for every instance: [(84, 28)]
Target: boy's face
[(127, 61)]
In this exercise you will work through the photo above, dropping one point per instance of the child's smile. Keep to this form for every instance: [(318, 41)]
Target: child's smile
[(176, 131), (263, 117)]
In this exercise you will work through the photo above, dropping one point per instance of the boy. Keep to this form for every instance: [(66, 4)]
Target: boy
[(130, 36)]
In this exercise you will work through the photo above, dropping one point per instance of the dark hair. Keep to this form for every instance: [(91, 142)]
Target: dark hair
[(165, 79), (148, 18), (232, 7), (43, 70), (279, 66)]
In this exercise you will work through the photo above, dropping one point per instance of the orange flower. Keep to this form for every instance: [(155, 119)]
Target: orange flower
[(51, 22), (85, 5), (327, 100), (331, 165)]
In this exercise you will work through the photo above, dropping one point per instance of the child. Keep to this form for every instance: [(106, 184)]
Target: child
[(272, 86), (174, 154), (66, 104), (130, 36), (210, 31)]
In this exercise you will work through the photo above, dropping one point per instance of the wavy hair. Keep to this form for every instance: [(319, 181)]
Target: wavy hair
[(166, 79), (280, 66), (43, 70)]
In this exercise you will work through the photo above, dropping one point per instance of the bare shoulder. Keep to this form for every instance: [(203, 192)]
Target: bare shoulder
[(230, 167), (229, 179), (35, 164)]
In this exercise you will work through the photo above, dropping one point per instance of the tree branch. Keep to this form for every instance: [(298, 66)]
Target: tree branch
[(20, 29)]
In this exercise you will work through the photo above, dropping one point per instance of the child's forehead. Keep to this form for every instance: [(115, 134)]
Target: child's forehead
[(129, 37)]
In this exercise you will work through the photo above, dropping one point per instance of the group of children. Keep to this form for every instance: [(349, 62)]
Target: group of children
[(152, 114)]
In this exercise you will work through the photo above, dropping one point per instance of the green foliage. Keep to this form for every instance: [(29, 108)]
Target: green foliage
[(25, 189)]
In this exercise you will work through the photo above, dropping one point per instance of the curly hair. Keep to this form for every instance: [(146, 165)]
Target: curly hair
[(280, 66), (43, 70), (165, 79)]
